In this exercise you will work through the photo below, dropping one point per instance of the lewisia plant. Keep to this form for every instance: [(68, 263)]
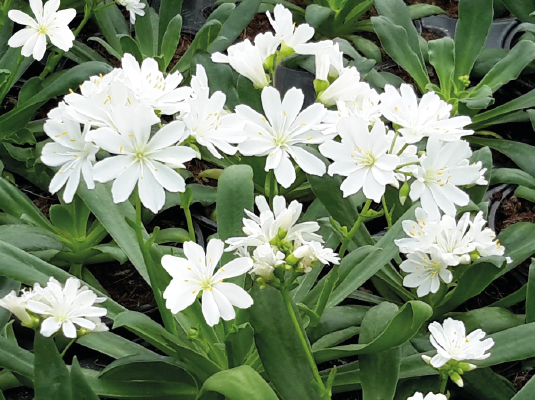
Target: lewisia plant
[(349, 230)]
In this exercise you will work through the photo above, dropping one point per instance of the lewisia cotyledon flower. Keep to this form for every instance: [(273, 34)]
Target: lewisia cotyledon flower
[(362, 157), (72, 153), (429, 117), (64, 307), (48, 22), (196, 273), (428, 396), (443, 168), (452, 343), (133, 7), (285, 30), (425, 272), (283, 134), (142, 160)]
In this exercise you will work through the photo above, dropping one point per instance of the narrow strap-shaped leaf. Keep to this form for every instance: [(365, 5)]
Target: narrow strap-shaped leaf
[(52, 378), (475, 19), (403, 326), (442, 57), (379, 372), (483, 383), (235, 24), (171, 39), (147, 31), (509, 67), (240, 383), (80, 388), (519, 242), (511, 175), (168, 11), (530, 294), (15, 359), (129, 45), (395, 41)]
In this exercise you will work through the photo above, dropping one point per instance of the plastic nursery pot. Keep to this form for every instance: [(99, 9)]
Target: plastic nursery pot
[(194, 14), (287, 78), (501, 34), (496, 197)]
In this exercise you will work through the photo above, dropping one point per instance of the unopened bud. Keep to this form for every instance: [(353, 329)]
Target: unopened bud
[(456, 378), (404, 193), (320, 85)]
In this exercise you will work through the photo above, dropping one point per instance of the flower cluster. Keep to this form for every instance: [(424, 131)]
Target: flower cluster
[(55, 307), (428, 396), (275, 240), (454, 347), (434, 245)]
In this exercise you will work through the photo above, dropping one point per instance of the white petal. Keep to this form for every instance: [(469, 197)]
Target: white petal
[(50, 326), (235, 294), (209, 308), (285, 171), (225, 308), (125, 183), (151, 193), (236, 267), (21, 37), (308, 162), (39, 48), (111, 167)]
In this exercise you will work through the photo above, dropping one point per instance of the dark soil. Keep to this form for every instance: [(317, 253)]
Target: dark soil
[(514, 210), (259, 24), (183, 45), (123, 283)]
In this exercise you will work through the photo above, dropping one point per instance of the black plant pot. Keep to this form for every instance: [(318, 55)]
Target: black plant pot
[(194, 14), (501, 34), (287, 78), (496, 196)]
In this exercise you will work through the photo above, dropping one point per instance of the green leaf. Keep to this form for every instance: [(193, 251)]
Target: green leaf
[(169, 10), (484, 384), (238, 344), (235, 24), (152, 368), (112, 345), (442, 57), (336, 319), (525, 193), (372, 263), (475, 18), (315, 15), (519, 242), (488, 118), (80, 388), (111, 23), (281, 352), (510, 175), (530, 294), (30, 238), (403, 326), (418, 11), (17, 204), (395, 41), (489, 319), (115, 53), (521, 9), (510, 67), (129, 45), (177, 347), (16, 359), (202, 41), (6, 286), (235, 193), (147, 31), (379, 371), (54, 85), (52, 379), (112, 217), (368, 48), (171, 39), (520, 153), (476, 278), (240, 383), (326, 292)]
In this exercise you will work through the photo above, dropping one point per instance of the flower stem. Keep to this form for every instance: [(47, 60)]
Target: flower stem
[(52, 61), (4, 88), (67, 347), (289, 307), (443, 385), (167, 317), (189, 221), (353, 231), (387, 214)]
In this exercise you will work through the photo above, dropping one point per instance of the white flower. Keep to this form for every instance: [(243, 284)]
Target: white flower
[(444, 167), (64, 307), (429, 117), (152, 88), (422, 233), (196, 274), (346, 87), (425, 272), (149, 162), (278, 136), (270, 224), (72, 153), (247, 60), (484, 238), (309, 252), (428, 396), (17, 305), (48, 22), (133, 7), (285, 30), (209, 124), (362, 157), (266, 258), (451, 342)]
